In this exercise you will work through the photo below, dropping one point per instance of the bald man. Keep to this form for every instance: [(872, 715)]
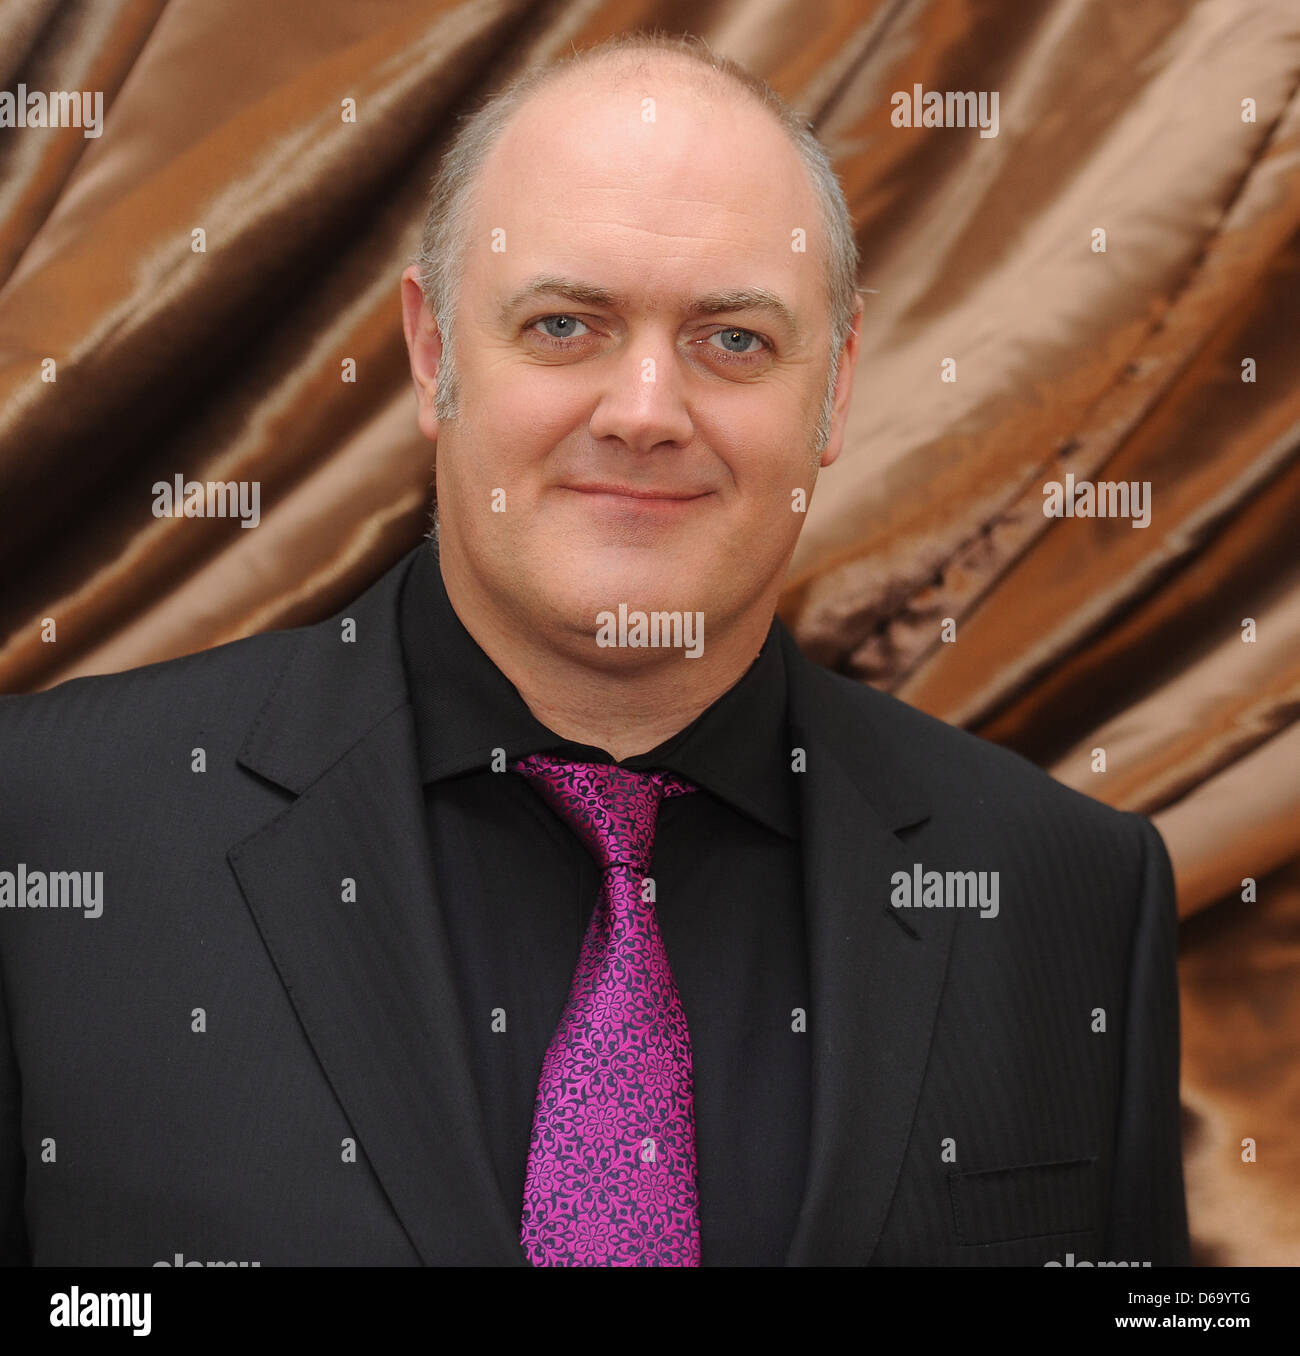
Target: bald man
[(546, 906)]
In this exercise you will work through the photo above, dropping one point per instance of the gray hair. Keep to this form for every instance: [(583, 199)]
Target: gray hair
[(446, 231)]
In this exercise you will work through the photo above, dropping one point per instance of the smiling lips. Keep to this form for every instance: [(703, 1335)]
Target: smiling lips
[(635, 492)]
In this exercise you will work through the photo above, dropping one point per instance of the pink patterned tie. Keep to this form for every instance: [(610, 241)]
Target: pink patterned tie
[(611, 1165)]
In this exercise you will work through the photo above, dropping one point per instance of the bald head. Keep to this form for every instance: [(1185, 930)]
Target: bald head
[(635, 125)]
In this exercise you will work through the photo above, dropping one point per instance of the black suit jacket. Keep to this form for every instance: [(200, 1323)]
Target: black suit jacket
[(239, 1062)]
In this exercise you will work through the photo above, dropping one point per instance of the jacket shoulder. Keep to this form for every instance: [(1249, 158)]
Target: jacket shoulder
[(85, 721), (960, 771)]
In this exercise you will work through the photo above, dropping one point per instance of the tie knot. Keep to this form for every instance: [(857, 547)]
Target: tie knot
[(612, 809)]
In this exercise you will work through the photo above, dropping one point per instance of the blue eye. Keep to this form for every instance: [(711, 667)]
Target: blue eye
[(739, 336), (564, 324)]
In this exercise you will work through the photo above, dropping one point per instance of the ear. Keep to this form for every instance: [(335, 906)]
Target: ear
[(843, 387), (424, 348)]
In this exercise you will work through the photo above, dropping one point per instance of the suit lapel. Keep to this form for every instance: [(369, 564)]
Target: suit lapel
[(875, 976), (371, 978)]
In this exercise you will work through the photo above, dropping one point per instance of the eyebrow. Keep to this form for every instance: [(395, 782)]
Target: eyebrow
[(711, 303)]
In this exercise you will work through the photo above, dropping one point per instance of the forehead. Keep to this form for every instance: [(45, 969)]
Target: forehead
[(660, 185)]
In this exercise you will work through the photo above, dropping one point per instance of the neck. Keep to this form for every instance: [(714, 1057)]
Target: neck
[(625, 711)]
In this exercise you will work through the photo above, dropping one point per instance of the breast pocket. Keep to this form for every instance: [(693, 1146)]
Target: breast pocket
[(1029, 1200)]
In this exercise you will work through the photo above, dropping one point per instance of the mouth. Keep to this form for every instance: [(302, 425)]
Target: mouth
[(634, 495)]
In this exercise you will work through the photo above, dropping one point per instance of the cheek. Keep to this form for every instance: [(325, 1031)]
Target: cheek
[(766, 480), (523, 420), (766, 444)]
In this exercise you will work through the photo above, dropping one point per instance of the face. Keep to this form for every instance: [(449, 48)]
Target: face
[(642, 357)]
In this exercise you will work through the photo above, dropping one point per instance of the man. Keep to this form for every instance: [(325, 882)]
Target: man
[(547, 906)]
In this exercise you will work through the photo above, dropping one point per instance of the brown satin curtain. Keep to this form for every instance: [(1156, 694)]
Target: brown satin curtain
[(1173, 126)]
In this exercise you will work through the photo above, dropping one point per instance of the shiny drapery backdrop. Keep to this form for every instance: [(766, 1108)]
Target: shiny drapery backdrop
[(1174, 127)]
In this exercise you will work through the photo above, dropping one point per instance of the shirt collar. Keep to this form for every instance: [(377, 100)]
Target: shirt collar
[(465, 708)]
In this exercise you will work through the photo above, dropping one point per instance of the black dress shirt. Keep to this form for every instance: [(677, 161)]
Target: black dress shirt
[(517, 890)]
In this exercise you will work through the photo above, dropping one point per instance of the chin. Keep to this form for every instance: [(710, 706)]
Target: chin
[(577, 599), (637, 579)]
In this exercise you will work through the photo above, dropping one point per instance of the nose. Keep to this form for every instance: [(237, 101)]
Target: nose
[(642, 401)]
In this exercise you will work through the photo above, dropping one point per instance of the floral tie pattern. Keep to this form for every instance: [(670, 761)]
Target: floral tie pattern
[(611, 1176)]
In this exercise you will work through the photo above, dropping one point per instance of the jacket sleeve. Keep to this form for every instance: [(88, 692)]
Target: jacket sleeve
[(1148, 1216), (13, 1226)]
